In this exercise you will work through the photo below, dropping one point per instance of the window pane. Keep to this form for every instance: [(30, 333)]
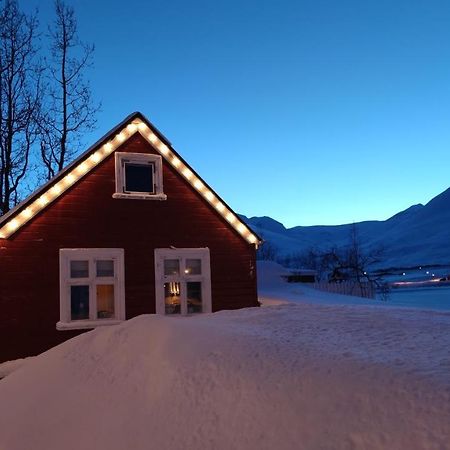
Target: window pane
[(171, 267), (79, 269), (79, 302), (194, 297), (105, 268), (172, 298), (193, 267), (105, 301), (139, 177)]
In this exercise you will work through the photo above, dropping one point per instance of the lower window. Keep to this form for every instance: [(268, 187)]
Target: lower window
[(91, 287), (183, 281)]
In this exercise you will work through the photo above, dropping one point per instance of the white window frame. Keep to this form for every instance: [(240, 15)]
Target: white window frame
[(139, 158), (66, 255), (182, 254)]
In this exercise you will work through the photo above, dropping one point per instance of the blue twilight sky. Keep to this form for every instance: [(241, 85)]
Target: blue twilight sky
[(309, 111)]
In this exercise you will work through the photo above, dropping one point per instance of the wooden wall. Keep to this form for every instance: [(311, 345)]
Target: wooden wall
[(87, 216)]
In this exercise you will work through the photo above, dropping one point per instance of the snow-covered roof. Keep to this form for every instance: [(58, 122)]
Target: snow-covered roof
[(94, 155)]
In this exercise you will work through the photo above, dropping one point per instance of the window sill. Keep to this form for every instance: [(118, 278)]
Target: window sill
[(121, 195), (86, 324)]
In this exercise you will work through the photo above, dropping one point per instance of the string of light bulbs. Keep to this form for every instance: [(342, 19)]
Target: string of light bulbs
[(24, 215)]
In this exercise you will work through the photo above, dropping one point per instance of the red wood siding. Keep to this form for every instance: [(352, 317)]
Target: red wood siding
[(87, 216)]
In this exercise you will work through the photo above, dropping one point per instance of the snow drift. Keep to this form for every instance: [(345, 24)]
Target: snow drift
[(291, 376)]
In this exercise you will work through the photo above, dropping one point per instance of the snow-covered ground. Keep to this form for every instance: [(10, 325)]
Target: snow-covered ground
[(273, 291), (437, 298), (316, 374), (9, 367)]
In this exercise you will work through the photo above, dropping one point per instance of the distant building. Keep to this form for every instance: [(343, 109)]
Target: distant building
[(302, 276)]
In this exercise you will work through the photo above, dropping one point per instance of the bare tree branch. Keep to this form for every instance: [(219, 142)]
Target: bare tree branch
[(69, 111), (20, 96)]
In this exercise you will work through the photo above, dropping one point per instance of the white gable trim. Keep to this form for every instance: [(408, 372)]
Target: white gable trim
[(22, 214)]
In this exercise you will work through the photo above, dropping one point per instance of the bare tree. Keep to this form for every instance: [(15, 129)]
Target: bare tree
[(19, 99), (267, 251), (70, 110), (354, 263)]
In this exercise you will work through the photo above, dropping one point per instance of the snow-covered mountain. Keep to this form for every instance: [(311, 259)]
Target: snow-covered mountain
[(419, 235)]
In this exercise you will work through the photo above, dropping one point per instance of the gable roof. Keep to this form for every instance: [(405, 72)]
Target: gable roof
[(94, 155)]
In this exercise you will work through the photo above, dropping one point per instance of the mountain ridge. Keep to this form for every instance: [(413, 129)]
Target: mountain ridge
[(418, 235)]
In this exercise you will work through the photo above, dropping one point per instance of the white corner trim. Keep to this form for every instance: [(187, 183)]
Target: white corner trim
[(85, 324), (122, 195)]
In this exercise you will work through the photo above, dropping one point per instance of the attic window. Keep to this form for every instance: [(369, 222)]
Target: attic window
[(139, 176)]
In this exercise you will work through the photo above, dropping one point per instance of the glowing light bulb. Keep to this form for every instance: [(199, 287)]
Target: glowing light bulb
[(220, 207), (142, 126), (152, 138), (163, 148), (121, 136), (82, 168), (43, 200), (209, 196), (95, 158), (69, 179), (241, 228), (175, 161), (13, 225), (56, 189), (27, 213), (131, 128), (187, 173), (108, 147), (230, 217), (198, 184)]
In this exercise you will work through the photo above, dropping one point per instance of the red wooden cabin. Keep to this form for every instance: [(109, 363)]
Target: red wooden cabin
[(128, 228)]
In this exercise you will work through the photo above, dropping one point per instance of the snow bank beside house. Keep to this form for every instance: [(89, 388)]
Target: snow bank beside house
[(291, 376), (9, 367)]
